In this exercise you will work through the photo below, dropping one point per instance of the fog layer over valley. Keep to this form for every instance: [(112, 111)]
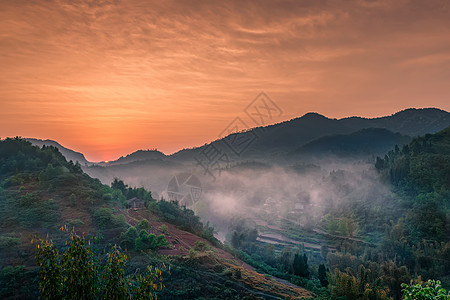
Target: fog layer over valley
[(312, 196)]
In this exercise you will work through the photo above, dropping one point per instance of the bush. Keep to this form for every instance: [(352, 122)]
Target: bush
[(16, 282), (163, 228), (201, 246), (103, 216), (147, 241), (128, 238), (423, 291), (7, 242), (119, 221), (76, 273), (143, 224)]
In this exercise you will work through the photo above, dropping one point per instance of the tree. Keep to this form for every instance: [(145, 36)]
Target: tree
[(300, 265), (118, 184), (77, 273), (393, 276), (344, 284), (128, 238), (424, 291), (114, 284), (323, 275)]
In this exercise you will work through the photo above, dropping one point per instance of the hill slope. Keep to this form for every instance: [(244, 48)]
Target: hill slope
[(40, 192), (365, 142)]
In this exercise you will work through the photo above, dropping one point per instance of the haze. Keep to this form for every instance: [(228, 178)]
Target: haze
[(108, 77)]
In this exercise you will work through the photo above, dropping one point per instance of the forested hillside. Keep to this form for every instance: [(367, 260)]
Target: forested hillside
[(372, 243), (417, 242), (420, 173), (40, 193)]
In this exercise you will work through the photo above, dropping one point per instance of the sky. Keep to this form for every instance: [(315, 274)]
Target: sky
[(109, 77)]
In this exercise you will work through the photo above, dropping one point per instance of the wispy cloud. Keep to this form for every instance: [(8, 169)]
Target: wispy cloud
[(196, 64)]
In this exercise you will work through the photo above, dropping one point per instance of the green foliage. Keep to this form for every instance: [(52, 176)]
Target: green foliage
[(114, 283), (8, 241), (17, 155), (128, 238), (78, 273), (16, 282), (118, 184), (130, 192), (143, 224), (38, 187), (118, 222), (35, 210), (300, 265), (192, 253), (420, 174), (242, 234), (72, 199), (144, 287), (79, 269), (51, 273), (428, 218), (362, 286), (75, 223), (185, 219), (147, 241), (103, 216), (163, 228), (424, 291), (142, 241), (323, 275), (201, 246)]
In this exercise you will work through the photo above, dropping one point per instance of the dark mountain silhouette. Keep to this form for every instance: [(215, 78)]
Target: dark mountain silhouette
[(370, 141), (140, 155), (69, 154), (290, 136), (276, 140)]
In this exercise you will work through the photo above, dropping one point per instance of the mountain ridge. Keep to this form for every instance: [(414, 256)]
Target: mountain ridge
[(69, 154), (289, 135)]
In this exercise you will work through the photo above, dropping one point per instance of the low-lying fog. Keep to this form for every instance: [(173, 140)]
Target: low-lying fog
[(304, 192)]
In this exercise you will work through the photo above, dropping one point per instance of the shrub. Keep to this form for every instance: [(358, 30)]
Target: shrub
[(201, 246), (163, 228), (143, 224), (7, 242), (103, 216), (423, 291), (147, 241), (128, 238), (76, 273)]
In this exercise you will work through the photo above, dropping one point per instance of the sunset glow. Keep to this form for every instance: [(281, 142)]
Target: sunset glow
[(109, 77)]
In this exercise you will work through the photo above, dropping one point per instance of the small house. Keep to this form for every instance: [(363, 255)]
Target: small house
[(135, 203)]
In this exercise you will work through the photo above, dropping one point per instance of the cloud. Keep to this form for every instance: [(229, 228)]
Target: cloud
[(183, 61)]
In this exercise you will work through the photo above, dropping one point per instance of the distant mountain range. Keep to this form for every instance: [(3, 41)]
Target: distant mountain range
[(311, 133), (280, 139), (139, 155)]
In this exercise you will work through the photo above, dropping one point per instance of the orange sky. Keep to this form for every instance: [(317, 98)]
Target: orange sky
[(109, 77)]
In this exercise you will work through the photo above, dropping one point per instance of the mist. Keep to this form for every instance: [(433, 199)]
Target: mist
[(303, 192)]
